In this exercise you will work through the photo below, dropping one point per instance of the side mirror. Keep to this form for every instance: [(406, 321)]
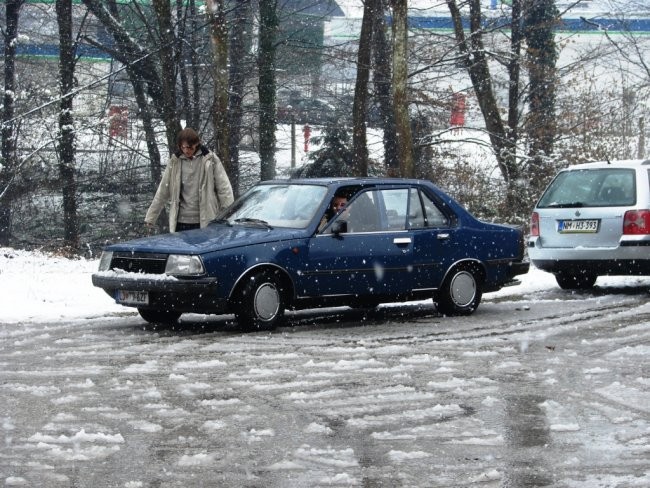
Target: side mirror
[(340, 227)]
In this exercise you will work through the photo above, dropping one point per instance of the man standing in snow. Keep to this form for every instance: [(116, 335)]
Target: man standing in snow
[(195, 184)]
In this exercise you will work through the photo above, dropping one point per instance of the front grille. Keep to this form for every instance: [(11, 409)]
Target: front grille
[(139, 262)]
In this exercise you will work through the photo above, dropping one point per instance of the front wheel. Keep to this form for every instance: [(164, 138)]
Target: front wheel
[(167, 317), (460, 293), (260, 304)]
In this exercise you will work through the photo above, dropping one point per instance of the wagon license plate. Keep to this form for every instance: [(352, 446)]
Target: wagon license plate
[(577, 226), (128, 297)]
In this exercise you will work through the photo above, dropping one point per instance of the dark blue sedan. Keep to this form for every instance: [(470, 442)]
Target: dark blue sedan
[(283, 245)]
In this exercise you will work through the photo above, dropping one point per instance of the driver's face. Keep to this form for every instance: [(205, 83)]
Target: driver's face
[(339, 203)]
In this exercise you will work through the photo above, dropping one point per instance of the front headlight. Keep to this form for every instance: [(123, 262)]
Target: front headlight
[(181, 264), (105, 260)]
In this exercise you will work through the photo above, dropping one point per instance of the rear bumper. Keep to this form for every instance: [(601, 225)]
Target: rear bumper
[(519, 268), (628, 249), (630, 257)]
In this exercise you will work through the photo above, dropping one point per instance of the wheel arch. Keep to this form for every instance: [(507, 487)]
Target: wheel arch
[(480, 266)]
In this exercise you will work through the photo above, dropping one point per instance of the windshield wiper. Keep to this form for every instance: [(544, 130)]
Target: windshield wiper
[(221, 221), (566, 205), (248, 220)]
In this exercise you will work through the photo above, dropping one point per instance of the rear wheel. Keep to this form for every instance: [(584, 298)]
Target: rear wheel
[(575, 280), (159, 316), (260, 305), (460, 293)]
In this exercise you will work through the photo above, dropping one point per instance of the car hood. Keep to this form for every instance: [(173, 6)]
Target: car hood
[(212, 238)]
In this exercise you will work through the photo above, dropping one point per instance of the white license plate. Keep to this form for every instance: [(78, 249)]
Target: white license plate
[(577, 226), (129, 297)]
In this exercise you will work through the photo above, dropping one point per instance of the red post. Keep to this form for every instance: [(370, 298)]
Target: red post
[(119, 119), (457, 110)]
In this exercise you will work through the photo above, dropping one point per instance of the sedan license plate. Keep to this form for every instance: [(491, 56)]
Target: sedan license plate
[(129, 297), (577, 226)]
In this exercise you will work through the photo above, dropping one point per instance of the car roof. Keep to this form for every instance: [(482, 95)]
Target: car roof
[(348, 180), (620, 163)]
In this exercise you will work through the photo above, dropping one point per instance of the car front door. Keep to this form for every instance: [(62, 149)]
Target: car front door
[(372, 257)]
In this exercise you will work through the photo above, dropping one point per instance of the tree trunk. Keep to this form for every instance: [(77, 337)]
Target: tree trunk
[(239, 45), (66, 144), (9, 162), (266, 88), (514, 69), (219, 38), (167, 58), (360, 104), (541, 55), (400, 89), (382, 61), (182, 50), (195, 117)]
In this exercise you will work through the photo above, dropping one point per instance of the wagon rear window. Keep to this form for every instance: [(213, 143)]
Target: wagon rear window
[(607, 187)]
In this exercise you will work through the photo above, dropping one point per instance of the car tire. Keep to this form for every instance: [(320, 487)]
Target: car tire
[(261, 302), (575, 280), (461, 292), (159, 316)]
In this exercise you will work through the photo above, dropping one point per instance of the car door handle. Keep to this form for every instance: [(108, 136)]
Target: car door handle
[(402, 240), (442, 236)]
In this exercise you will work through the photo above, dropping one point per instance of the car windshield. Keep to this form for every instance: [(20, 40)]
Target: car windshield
[(276, 205), (607, 187)]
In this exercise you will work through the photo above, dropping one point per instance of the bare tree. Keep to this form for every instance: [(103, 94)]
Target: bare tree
[(187, 66), (541, 54), (219, 39), (400, 89), (267, 85), (360, 105), (142, 60), (66, 139), (474, 56), (382, 81), (240, 41), (9, 163)]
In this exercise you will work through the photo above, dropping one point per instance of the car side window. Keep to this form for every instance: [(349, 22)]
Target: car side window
[(362, 214), (395, 206), (423, 212)]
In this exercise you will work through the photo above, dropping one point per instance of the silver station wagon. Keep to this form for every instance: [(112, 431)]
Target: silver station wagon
[(593, 220)]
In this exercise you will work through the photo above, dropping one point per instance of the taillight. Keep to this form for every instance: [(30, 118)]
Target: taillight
[(636, 222), (534, 225)]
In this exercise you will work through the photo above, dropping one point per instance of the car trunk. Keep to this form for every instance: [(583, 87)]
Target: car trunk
[(609, 223)]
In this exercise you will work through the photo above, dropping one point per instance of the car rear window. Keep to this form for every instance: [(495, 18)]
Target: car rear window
[(606, 187)]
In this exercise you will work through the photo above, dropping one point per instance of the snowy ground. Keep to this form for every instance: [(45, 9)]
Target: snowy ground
[(539, 387)]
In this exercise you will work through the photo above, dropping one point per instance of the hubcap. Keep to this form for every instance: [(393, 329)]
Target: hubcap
[(267, 301), (463, 289)]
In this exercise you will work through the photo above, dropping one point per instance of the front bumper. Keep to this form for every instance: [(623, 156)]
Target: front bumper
[(190, 295)]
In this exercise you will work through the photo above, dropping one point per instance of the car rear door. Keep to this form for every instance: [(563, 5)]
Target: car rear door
[(436, 243)]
